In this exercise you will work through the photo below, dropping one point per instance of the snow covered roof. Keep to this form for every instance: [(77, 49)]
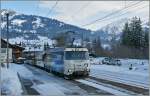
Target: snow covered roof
[(3, 43)]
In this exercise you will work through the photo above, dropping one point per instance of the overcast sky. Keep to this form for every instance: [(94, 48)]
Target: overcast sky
[(81, 13)]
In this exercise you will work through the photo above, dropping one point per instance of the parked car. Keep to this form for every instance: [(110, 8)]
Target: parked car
[(111, 61), (106, 60)]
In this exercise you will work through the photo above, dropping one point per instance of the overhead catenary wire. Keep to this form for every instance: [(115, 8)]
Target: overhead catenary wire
[(81, 9), (52, 8), (110, 14), (137, 6), (124, 13), (37, 7)]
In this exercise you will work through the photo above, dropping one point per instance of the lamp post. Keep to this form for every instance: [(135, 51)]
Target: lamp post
[(8, 13), (7, 16)]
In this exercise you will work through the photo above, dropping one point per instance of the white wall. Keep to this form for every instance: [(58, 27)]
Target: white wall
[(3, 55)]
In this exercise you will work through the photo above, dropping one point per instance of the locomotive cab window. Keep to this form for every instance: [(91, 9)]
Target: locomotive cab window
[(76, 55)]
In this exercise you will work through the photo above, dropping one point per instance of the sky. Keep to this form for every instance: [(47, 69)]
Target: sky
[(85, 14)]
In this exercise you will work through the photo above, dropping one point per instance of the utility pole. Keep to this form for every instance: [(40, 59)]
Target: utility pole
[(82, 40), (7, 16)]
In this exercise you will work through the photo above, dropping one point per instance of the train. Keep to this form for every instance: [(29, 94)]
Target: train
[(69, 62)]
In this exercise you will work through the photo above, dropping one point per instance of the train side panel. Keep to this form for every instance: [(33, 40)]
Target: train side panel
[(57, 63), (39, 63), (47, 61)]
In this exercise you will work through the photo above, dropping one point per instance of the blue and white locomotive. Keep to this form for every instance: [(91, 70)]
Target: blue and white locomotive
[(67, 61)]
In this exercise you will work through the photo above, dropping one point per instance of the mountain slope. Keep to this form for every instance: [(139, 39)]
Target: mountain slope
[(32, 26)]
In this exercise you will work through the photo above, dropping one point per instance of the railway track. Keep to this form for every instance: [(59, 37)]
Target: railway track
[(103, 87), (115, 88), (124, 81), (89, 90)]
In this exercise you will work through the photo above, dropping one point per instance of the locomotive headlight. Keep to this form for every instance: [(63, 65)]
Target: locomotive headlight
[(69, 70), (86, 64)]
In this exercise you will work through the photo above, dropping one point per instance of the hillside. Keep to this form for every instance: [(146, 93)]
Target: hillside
[(31, 27)]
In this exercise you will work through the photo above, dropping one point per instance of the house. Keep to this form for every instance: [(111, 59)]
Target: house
[(3, 55), (15, 51)]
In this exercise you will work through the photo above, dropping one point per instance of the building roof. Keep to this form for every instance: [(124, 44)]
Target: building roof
[(4, 45), (19, 47)]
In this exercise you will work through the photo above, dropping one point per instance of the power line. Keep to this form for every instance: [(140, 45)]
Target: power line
[(53, 7), (37, 7), (81, 9), (126, 13), (123, 14), (127, 9), (106, 16)]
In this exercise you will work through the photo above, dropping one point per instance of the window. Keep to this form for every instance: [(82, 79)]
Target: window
[(76, 55), (3, 50)]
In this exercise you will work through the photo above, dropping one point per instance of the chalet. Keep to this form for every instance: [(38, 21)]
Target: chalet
[(15, 51)]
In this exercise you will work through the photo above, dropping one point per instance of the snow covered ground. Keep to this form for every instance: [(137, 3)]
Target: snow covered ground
[(12, 86), (22, 70), (46, 84), (138, 76), (51, 85), (10, 83)]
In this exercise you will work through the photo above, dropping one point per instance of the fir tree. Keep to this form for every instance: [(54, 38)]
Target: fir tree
[(146, 39), (137, 34), (133, 35), (135, 38), (126, 35)]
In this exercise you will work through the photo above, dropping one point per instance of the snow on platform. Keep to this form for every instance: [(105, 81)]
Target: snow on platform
[(44, 83), (13, 86), (10, 84), (22, 70), (49, 89), (138, 76)]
